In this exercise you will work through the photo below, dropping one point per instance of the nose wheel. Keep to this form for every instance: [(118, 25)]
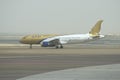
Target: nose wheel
[(30, 46)]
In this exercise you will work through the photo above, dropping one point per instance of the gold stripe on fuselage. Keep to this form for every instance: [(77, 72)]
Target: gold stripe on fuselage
[(35, 38)]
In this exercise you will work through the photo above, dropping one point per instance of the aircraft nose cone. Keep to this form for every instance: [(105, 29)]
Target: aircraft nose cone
[(21, 41)]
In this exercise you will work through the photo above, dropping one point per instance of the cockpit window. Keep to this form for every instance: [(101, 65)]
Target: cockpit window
[(25, 37)]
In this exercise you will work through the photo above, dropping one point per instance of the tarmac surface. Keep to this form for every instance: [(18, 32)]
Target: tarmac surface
[(18, 62), (104, 72)]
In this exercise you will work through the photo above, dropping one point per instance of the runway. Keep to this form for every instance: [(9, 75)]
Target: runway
[(18, 62), (103, 72)]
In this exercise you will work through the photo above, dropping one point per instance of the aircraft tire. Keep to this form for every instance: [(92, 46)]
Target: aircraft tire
[(56, 47), (61, 46)]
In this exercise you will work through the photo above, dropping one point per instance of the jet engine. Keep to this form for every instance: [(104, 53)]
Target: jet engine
[(47, 44)]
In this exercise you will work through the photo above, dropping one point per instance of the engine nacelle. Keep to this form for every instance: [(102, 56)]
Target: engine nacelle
[(47, 44)]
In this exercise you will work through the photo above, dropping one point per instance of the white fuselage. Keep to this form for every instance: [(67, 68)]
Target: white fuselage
[(73, 39), (76, 38)]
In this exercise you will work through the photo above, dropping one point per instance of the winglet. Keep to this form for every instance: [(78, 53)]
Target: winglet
[(96, 29)]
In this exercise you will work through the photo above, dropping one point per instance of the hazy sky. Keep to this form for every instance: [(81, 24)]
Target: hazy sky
[(58, 16)]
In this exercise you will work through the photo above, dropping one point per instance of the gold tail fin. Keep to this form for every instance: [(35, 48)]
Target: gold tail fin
[(96, 29)]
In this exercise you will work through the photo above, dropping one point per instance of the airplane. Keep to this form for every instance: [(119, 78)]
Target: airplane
[(35, 38), (59, 41)]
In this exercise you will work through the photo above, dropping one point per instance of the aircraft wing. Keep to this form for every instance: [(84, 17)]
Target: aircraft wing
[(54, 41), (50, 42)]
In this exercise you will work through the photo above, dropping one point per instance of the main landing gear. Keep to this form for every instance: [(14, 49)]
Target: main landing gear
[(59, 46)]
